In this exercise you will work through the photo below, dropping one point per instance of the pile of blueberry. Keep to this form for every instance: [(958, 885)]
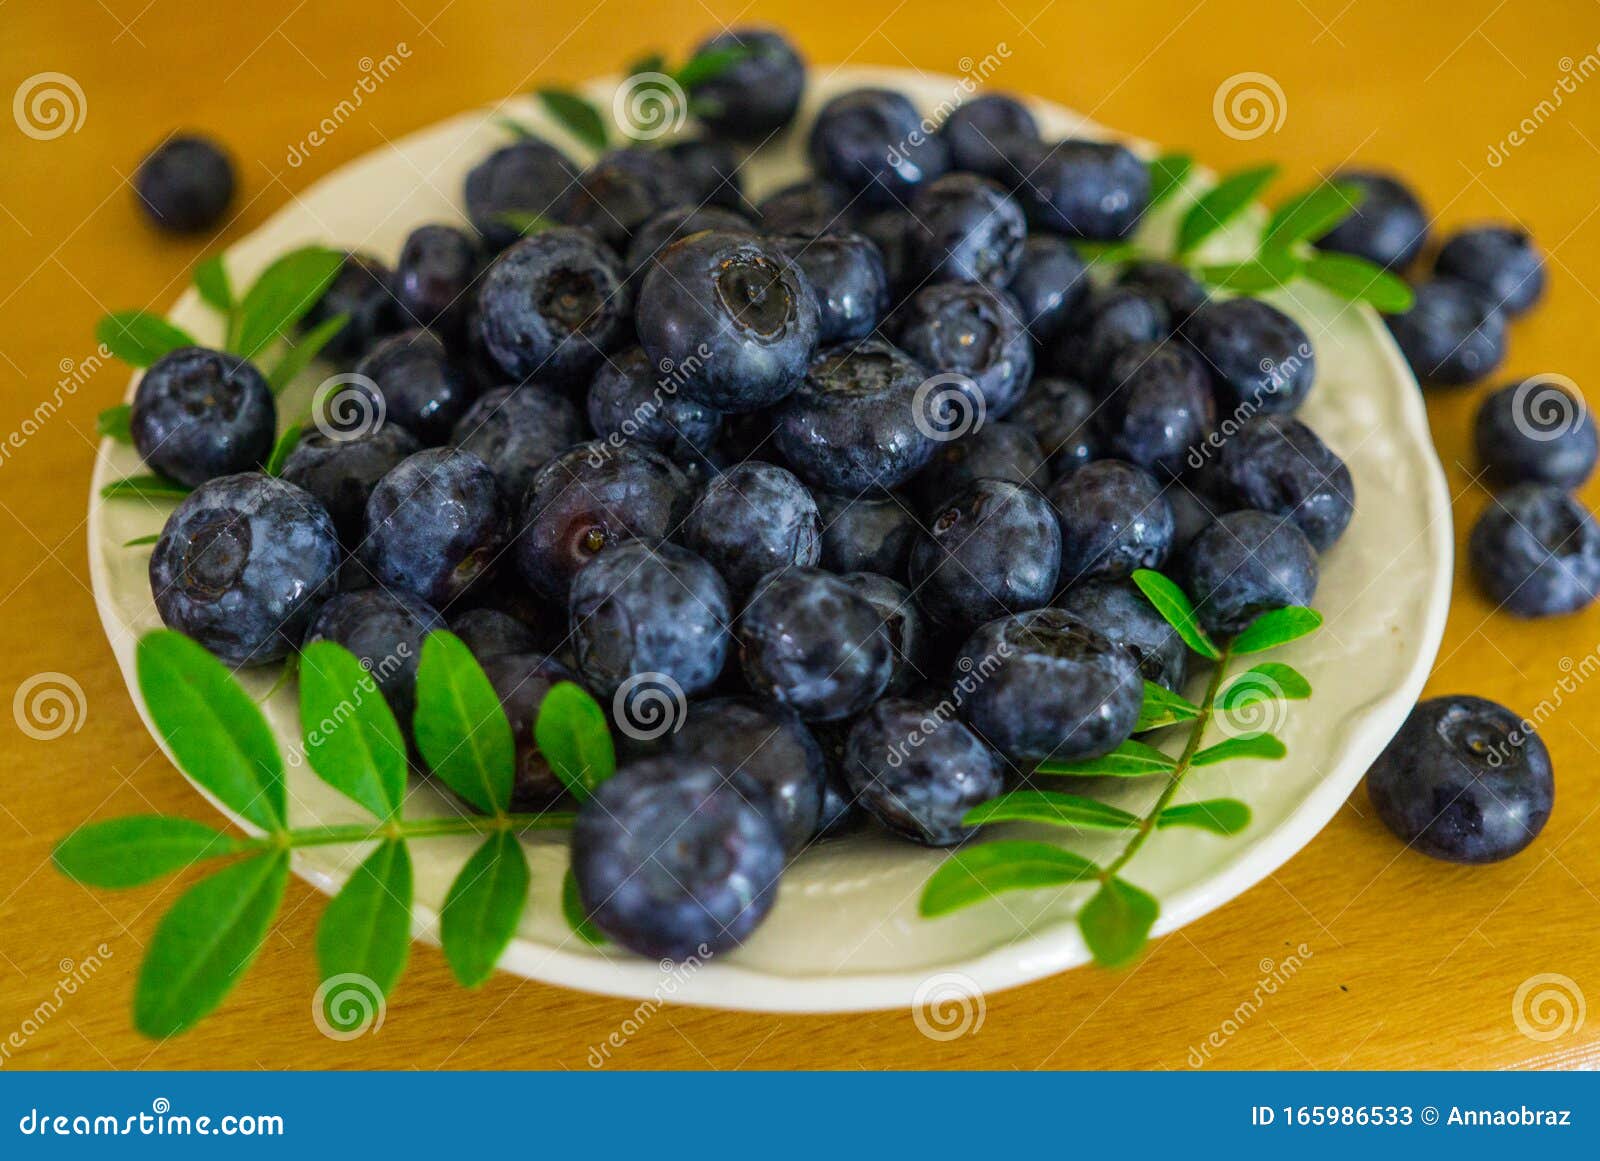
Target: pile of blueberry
[(860, 470)]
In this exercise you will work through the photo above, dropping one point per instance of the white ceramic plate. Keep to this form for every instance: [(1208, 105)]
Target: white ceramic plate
[(845, 933)]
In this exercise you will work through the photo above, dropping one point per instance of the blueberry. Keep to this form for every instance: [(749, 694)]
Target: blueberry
[(1247, 563), (898, 236), (733, 318), (185, 184), (753, 518), (674, 223), (525, 179), (673, 860), (1277, 464), (437, 267), (972, 331), (242, 566), (874, 144), (1114, 519), (1159, 408), (805, 208), (988, 134), (362, 291), (435, 524), (1001, 450), (1192, 511), (342, 472), (855, 423), (712, 169), (493, 633), (919, 771), (418, 387), (1261, 360), (863, 534), (767, 743), (631, 398), (622, 191), (1119, 611), (1536, 431), (1451, 335), (847, 273), (1536, 552), (758, 94), (384, 628), (521, 681), (1043, 685), (1389, 227), (551, 306), (199, 414), (1169, 284), (516, 431), (1050, 285), (591, 496), (1499, 262), (973, 231), (840, 814), (1464, 780), (1059, 413), (993, 549), (904, 625), (811, 642), (640, 608), (1084, 189), (1112, 320)]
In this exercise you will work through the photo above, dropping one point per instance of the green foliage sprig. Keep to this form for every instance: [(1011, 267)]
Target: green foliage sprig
[(352, 741), (1117, 918)]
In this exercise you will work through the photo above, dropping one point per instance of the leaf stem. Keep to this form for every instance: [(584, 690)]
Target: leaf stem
[(324, 836), (1147, 824)]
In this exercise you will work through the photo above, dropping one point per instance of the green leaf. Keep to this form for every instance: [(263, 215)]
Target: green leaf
[(211, 280), (140, 541), (1052, 807), (366, 929), (283, 294), (1224, 816), (482, 909), (286, 444), (206, 943), (1167, 175), (1173, 605), (516, 128), (572, 735), (1222, 203), (1312, 214), (351, 738), (572, 909), (526, 223), (575, 114), (114, 423), (1162, 707), (460, 726), (1269, 681), (1276, 627), (1264, 746), (1360, 281), (139, 338), (1267, 271), (1116, 922), (218, 734), (707, 65), (309, 345), (126, 852), (1106, 253), (981, 872), (151, 487), (1132, 759)]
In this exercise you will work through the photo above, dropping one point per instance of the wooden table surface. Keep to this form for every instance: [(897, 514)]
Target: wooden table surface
[(1403, 962)]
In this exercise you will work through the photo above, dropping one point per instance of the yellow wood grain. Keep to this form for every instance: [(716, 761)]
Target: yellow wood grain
[(1399, 961)]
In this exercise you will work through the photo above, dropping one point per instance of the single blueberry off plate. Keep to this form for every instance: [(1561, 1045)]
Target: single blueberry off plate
[(844, 933)]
